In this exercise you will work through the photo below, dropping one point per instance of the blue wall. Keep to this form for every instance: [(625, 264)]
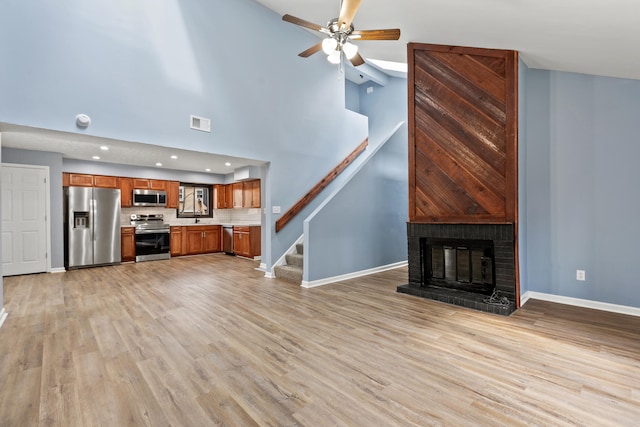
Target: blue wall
[(522, 175), (140, 70), (363, 226), (54, 162), (581, 186)]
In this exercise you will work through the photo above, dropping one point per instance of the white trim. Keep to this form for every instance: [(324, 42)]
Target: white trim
[(353, 275), (596, 305), (3, 316), (58, 270), (283, 259)]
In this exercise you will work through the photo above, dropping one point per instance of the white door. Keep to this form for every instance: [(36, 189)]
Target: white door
[(24, 219)]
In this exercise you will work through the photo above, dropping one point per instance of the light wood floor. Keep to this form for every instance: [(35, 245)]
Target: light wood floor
[(207, 340)]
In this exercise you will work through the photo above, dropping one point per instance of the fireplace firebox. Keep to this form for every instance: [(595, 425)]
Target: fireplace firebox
[(459, 264), (472, 265)]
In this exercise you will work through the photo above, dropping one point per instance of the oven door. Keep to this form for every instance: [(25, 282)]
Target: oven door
[(152, 245)]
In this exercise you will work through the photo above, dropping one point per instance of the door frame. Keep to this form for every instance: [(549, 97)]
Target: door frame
[(47, 192)]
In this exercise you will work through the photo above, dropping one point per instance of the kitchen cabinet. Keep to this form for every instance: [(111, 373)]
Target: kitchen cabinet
[(177, 245), (149, 184), (128, 244), (173, 190), (220, 196), (80, 180), (202, 239), (126, 192), (246, 241), (84, 180), (102, 181), (251, 194), (237, 194)]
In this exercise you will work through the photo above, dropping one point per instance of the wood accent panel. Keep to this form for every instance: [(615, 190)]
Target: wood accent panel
[(462, 134), (324, 182), (208, 340)]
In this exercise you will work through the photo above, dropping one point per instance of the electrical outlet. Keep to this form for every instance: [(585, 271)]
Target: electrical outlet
[(580, 275)]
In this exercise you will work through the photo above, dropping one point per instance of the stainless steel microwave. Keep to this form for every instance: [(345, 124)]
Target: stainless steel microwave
[(149, 198)]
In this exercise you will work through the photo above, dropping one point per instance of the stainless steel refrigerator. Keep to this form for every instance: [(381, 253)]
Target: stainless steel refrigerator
[(92, 226)]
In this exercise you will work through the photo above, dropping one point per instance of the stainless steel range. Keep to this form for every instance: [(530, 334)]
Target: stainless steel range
[(152, 237)]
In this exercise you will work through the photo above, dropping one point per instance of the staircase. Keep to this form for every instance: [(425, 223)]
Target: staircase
[(292, 270)]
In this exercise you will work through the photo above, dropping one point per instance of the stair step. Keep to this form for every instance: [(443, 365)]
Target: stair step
[(289, 273), (294, 259), (300, 248)]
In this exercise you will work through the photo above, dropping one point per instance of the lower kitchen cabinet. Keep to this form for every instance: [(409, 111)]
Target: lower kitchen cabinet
[(246, 241), (202, 239), (128, 244), (176, 243)]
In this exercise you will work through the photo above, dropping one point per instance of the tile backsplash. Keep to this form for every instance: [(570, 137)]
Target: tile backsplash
[(248, 216)]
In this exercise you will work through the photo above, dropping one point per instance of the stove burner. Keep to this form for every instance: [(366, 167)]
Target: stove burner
[(149, 222)]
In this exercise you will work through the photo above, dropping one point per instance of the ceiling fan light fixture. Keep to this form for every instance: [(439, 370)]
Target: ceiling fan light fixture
[(349, 50), (329, 45), (334, 57)]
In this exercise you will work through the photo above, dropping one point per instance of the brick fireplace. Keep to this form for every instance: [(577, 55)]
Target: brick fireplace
[(463, 264)]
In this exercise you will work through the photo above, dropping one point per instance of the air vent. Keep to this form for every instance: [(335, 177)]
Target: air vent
[(200, 123)]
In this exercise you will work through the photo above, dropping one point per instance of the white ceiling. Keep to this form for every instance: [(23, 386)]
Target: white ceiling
[(584, 36), (84, 147)]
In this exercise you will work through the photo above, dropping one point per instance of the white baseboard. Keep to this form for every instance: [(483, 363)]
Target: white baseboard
[(58, 270), (361, 273), (596, 305), (3, 316)]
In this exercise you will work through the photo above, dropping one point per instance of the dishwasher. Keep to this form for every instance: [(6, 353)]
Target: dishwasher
[(227, 239)]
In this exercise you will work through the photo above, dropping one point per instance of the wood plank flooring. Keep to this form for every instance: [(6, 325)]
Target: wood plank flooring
[(207, 340)]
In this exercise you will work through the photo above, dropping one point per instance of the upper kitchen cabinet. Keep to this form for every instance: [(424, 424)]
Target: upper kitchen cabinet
[(149, 184), (105, 181), (173, 194), (126, 192), (237, 194), (251, 194), (84, 180), (220, 196), (80, 180)]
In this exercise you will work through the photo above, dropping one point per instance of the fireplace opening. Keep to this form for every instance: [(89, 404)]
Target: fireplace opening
[(466, 265)]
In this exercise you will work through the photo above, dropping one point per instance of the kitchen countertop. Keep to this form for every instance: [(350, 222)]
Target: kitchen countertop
[(202, 224)]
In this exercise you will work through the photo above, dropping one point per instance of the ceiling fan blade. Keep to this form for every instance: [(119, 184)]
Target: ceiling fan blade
[(348, 10), (313, 49), (301, 22), (357, 60), (389, 34)]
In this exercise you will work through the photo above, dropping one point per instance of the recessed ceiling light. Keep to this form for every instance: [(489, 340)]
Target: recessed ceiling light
[(158, 164), (104, 148), (207, 170), (227, 164), (96, 157), (174, 157)]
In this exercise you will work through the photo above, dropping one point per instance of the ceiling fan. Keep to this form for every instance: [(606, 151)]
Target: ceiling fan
[(341, 35)]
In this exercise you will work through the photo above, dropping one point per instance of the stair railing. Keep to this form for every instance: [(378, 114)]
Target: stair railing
[(321, 185)]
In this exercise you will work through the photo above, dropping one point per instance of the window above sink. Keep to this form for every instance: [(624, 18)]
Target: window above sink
[(194, 201)]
